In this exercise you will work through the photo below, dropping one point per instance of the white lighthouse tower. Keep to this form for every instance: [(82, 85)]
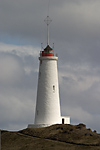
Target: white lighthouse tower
[(48, 103)]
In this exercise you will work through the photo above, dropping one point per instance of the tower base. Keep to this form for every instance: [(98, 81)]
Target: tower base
[(64, 120), (38, 125)]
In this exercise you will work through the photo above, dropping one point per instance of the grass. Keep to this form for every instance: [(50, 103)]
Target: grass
[(55, 137)]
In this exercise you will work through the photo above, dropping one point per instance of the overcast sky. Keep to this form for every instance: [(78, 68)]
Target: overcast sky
[(75, 30)]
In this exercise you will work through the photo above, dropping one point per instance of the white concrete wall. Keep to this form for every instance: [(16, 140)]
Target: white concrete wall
[(66, 119), (47, 105)]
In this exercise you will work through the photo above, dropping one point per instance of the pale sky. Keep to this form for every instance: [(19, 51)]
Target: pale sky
[(75, 32)]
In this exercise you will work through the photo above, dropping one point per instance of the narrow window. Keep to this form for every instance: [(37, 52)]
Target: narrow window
[(53, 88)]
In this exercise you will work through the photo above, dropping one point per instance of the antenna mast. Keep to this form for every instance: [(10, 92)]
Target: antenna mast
[(47, 21)]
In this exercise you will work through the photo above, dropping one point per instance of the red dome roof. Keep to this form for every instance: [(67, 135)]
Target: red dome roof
[(48, 48)]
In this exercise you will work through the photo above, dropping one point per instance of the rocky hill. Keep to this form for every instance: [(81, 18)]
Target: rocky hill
[(55, 137)]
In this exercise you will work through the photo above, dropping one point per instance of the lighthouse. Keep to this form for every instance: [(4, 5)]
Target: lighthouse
[(48, 103)]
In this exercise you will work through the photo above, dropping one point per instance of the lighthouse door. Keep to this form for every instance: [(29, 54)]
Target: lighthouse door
[(62, 120)]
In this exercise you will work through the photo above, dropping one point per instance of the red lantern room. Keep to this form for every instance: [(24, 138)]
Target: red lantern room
[(48, 52)]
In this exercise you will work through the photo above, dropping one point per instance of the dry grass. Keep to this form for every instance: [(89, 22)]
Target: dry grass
[(56, 137)]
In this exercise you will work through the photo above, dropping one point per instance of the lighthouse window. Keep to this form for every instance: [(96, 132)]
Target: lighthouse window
[(53, 88)]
